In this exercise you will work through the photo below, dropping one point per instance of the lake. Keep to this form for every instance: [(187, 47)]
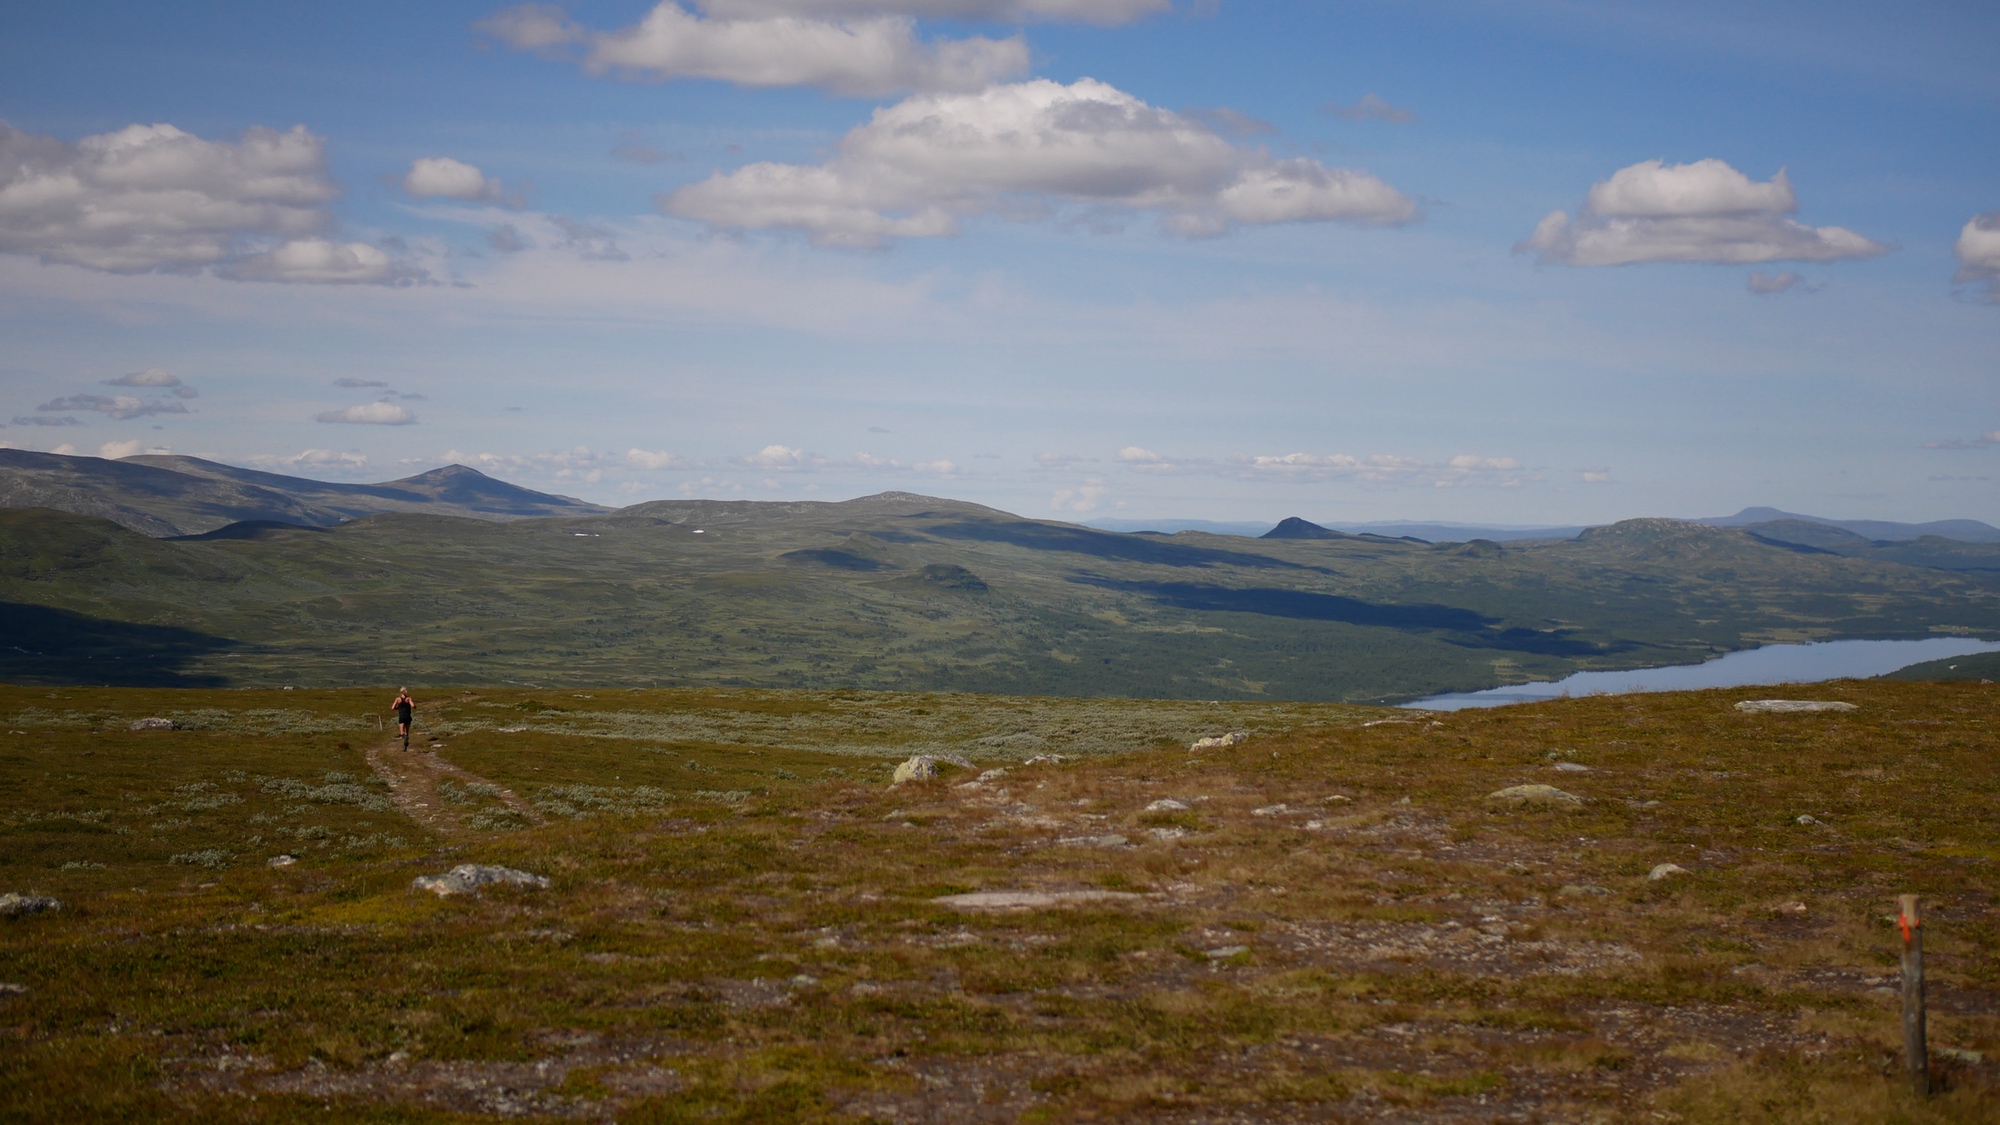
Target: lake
[(1772, 664)]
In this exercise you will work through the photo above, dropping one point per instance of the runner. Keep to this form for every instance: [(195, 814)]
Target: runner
[(404, 705)]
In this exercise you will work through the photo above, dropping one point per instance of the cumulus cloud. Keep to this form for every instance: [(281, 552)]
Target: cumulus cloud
[(780, 457), (1371, 107), (117, 450), (150, 377), (653, 460), (1765, 284), (44, 420), (1079, 498), (312, 459), (369, 414), (116, 406), (860, 55), (1705, 211), (1978, 250), (321, 261), (152, 197), (1012, 11), (917, 166), (1385, 468), (441, 177)]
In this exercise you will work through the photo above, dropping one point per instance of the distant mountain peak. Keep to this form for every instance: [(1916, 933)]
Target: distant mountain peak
[(1292, 527)]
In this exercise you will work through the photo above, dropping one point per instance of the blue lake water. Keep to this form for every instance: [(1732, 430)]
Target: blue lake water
[(1772, 664)]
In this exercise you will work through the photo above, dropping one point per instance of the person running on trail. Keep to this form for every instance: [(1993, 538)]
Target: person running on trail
[(404, 705)]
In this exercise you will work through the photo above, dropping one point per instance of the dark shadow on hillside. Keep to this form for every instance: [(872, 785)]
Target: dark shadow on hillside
[(245, 529), (828, 556), (54, 646), (1474, 630), (1105, 545)]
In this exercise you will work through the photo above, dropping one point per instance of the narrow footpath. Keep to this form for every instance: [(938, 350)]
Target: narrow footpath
[(414, 776)]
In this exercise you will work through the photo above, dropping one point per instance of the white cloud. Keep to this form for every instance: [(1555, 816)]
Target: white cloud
[(779, 457), (64, 450), (1466, 469), (917, 166), (940, 468), (1011, 11), (117, 450), (369, 414), (1766, 284), (312, 459), (150, 377), (653, 460), (1978, 251), (433, 177), (1371, 107), (152, 197), (116, 406), (1081, 498), (1705, 211), (862, 55), (320, 261), (44, 420)]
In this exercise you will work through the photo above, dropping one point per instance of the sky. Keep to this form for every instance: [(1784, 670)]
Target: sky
[(1542, 261)]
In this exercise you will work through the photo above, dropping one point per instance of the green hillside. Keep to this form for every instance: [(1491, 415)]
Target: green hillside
[(905, 592)]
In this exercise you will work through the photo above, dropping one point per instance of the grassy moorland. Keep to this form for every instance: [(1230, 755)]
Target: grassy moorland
[(746, 923), (911, 593)]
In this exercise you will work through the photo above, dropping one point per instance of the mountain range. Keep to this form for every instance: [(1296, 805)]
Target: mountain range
[(466, 581)]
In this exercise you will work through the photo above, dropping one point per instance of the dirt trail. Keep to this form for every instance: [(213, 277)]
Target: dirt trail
[(414, 776)]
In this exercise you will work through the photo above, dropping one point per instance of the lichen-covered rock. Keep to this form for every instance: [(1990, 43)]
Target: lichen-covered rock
[(1792, 706), (1166, 804), (14, 905), (152, 724), (924, 767), (1665, 871), (468, 878), (1534, 795), (1220, 741)]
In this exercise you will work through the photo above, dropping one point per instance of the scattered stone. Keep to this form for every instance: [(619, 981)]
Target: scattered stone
[(1031, 900), (1337, 799), (1533, 795), (8, 988), (805, 980), (152, 724), (1794, 908), (1271, 810), (1226, 952), (467, 878), (1166, 804), (1404, 801), (1960, 1054), (1583, 889), (1665, 871), (1220, 741), (282, 860), (989, 775), (1791, 706), (1572, 767), (1046, 760), (922, 767), (1808, 820), (14, 905), (1165, 834), (1314, 825), (1093, 841)]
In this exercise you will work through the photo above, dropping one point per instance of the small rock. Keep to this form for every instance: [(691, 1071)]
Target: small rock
[(1534, 795), (1665, 871), (1093, 841), (14, 905), (8, 988), (1314, 825), (1404, 801), (1226, 952), (152, 724), (1960, 1054), (1807, 820), (1794, 908), (1220, 741), (282, 860), (1583, 889), (467, 878), (1030, 900), (1337, 799), (1572, 767), (1164, 834), (1166, 804), (804, 980), (989, 775), (1271, 810), (1046, 760), (1791, 706)]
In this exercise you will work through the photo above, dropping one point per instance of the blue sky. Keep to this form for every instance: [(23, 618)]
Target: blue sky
[(1073, 258)]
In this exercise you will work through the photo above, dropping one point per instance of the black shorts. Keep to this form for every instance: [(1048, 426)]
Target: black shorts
[(403, 718)]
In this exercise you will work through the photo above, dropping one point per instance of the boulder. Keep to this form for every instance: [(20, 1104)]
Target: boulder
[(1031, 900), (152, 724), (1220, 741), (14, 905), (1166, 804), (1665, 871), (1572, 767), (1791, 706), (1113, 841), (282, 860), (1534, 795), (922, 767), (1045, 760), (468, 878)]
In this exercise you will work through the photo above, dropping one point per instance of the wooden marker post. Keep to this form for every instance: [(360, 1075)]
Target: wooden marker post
[(1916, 1056)]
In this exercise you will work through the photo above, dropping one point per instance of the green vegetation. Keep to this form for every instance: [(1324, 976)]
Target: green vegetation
[(743, 921), (907, 593)]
